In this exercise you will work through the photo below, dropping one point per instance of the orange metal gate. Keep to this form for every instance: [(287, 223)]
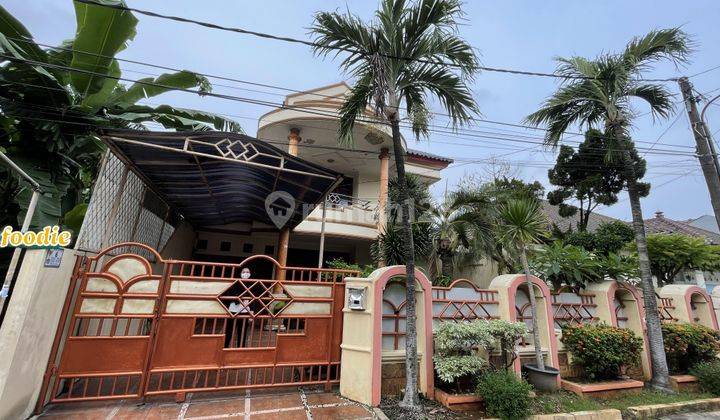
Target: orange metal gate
[(139, 328)]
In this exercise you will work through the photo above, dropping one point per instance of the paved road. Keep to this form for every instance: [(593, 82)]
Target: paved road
[(694, 416)]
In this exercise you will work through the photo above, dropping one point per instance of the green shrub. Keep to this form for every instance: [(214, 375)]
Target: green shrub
[(602, 350), (506, 396), (708, 375), (458, 361), (689, 344), (340, 264)]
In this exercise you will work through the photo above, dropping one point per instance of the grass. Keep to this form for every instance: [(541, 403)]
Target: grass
[(566, 402)]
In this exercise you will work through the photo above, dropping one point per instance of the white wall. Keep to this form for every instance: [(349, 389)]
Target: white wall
[(28, 331)]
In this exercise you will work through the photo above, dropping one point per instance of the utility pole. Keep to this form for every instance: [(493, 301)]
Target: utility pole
[(702, 140)]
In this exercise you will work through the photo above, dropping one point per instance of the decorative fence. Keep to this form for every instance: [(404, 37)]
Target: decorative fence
[(572, 307), (460, 301), (665, 309), (463, 301)]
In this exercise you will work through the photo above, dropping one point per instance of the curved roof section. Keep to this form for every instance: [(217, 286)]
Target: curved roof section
[(216, 178)]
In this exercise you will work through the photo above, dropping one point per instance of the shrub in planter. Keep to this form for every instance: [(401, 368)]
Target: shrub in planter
[(708, 375), (506, 395), (602, 350), (456, 360), (689, 344)]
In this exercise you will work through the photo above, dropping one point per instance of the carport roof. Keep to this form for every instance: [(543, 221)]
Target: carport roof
[(216, 178)]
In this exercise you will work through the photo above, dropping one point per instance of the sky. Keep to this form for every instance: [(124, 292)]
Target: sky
[(524, 35)]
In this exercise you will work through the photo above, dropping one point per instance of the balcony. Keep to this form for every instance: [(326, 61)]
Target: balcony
[(345, 216)]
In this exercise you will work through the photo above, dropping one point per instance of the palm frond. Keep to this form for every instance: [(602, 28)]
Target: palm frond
[(657, 96), (671, 44), (448, 87), (355, 104), (522, 223)]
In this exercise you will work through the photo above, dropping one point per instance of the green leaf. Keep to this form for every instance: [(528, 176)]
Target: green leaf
[(180, 80), (101, 98), (12, 28), (73, 219), (176, 118), (101, 32)]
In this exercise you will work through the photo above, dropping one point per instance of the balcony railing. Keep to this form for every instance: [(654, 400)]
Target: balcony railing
[(340, 201)]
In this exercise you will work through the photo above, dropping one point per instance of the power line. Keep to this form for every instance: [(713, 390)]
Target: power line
[(276, 105), (572, 134), (337, 48)]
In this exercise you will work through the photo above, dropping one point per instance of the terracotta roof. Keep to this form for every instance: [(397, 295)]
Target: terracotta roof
[(564, 223), (661, 224), (427, 155)]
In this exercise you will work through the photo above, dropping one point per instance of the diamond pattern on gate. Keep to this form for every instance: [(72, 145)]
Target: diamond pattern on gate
[(255, 298)]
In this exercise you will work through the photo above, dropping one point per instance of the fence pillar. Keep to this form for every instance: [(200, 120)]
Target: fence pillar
[(362, 344), (692, 304), (511, 309)]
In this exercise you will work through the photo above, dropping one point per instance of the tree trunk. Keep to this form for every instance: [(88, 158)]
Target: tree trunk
[(658, 360), (539, 361), (446, 260), (652, 317), (411, 398)]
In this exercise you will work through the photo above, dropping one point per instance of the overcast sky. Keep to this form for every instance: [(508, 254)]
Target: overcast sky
[(511, 34)]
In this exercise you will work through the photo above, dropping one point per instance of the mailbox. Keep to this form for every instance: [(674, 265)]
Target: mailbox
[(356, 298)]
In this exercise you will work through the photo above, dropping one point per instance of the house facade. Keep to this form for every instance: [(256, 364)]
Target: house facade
[(306, 126)]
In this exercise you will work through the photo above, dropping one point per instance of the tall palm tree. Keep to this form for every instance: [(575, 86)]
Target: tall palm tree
[(597, 93), (522, 223), (409, 52)]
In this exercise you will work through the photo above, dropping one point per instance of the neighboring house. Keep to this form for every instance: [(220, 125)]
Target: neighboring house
[(662, 224), (706, 222), (570, 223)]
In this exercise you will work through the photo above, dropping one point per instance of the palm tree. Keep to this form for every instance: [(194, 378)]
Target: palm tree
[(53, 100), (521, 223), (462, 226), (596, 93), (410, 51)]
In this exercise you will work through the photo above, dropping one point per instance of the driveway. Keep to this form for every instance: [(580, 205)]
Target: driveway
[(290, 404)]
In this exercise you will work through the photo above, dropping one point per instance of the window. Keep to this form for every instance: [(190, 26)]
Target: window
[(247, 248), (269, 250), (201, 244), (225, 246)]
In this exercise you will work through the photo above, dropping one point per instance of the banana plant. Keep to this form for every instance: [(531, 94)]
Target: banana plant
[(53, 100)]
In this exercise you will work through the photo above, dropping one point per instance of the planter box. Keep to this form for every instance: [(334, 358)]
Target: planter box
[(605, 389), (684, 383), (459, 402)]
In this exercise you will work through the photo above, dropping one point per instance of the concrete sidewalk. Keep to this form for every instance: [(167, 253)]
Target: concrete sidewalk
[(288, 403)]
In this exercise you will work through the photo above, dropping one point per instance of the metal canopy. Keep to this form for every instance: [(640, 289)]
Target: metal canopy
[(216, 178)]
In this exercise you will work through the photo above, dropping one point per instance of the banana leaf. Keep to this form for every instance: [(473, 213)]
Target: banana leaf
[(101, 32), (180, 80)]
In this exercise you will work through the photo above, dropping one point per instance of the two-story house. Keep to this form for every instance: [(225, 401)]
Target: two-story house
[(192, 212)]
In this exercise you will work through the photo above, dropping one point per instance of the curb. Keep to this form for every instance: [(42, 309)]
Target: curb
[(658, 410), (609, 414)]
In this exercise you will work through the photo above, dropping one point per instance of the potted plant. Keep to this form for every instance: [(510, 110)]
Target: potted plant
[(464, 351), (522, 224)]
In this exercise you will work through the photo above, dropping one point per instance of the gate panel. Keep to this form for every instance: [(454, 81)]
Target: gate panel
[(183, 326), (218, 330), (108, 342)]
